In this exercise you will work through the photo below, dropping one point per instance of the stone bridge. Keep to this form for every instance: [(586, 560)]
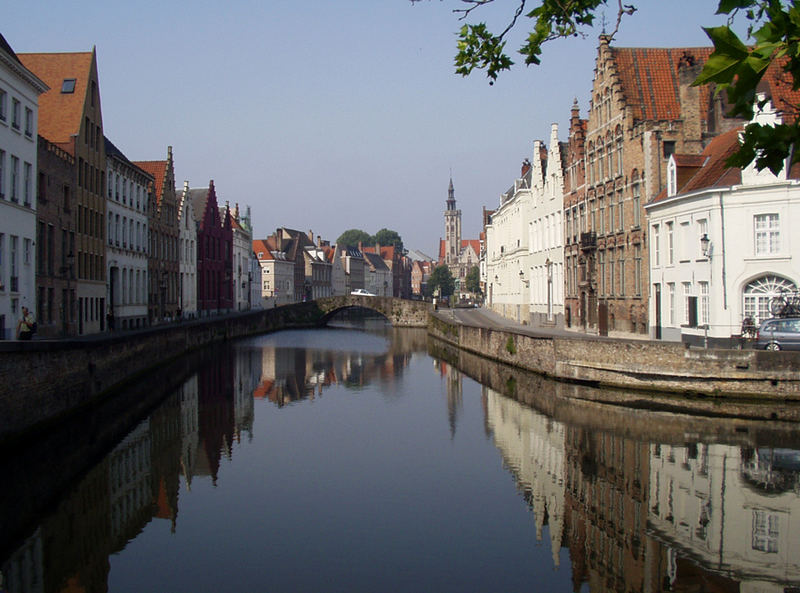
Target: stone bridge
[(399, 312)]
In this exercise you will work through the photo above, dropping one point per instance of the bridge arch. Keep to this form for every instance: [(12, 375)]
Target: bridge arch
[(399, 312)]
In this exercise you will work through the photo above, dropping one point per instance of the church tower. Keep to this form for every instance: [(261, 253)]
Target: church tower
[(452, 229)]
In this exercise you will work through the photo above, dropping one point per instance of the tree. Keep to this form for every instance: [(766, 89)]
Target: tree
[(352, 237), (473, 280), (442, 279), (734, 67), (386, 238)]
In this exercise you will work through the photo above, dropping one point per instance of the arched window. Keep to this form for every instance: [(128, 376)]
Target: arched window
[(618, 136), (591, 163), (758, 293)]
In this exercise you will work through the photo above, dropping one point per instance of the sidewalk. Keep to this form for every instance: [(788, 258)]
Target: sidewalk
[(488, 318)]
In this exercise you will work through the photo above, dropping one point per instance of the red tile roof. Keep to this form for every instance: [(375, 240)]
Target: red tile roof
[(60, 114), (157, 169), (649, 78), (708, 169)]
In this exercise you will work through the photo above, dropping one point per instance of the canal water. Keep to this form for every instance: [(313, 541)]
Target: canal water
[(354, 460)]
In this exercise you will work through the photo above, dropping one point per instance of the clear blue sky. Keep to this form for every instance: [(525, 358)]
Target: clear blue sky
[(329, 115)]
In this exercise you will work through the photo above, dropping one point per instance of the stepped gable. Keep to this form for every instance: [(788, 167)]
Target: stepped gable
[(60, 113), (158, 169)]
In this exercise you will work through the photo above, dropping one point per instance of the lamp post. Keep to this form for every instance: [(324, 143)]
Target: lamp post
[(549, 265), (705, 249)]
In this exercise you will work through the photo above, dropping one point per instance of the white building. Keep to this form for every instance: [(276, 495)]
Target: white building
[(338, 274), (721, 245), (508, 257), (377, 275), (19, 108), (187, 241), (546, 240), (126, 240), (255, 284), (277, 274), (242, 252)]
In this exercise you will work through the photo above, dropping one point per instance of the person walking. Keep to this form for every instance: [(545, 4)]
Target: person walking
[(26, 325)]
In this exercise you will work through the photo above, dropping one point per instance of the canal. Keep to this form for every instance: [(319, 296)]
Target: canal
[(372, 459)]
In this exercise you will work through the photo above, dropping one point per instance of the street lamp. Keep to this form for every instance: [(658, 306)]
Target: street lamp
[(549, 265), (705, 245), (522, 278)]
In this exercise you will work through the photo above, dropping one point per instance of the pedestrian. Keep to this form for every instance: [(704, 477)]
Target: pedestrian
[(26, 325)]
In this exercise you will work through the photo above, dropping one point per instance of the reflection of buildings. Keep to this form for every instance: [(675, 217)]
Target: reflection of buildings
[(532, 446), (455, 403), (23, 571), (733, 511), (605, 510), (247, 374), (129, 485), (293, 374)]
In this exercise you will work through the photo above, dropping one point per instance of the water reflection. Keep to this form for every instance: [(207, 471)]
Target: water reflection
[(699, 505)]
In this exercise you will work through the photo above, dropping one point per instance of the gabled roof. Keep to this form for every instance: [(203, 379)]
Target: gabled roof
[(375, 261), (708, 169), (61, 114), (158, 169), (649, 78)]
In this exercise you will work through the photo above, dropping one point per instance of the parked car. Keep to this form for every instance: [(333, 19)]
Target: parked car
[(779, 334), (361, 292)]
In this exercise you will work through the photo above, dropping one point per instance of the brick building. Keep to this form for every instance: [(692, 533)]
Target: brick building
[(71, 118), (163, 267), (642, 110), (55, 240)]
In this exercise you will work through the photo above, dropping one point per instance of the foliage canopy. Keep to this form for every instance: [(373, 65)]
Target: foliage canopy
[(442, 279)]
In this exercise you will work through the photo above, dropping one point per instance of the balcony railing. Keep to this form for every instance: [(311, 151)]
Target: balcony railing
[(588, 241)]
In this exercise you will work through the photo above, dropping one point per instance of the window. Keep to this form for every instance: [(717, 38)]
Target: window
[(68, 86), (621, 269), (14, 178), (637, 269), (12, 257), (671, 302), (670, 244), (687, 303), (656, 246), (601, 227), (601, 264), (765, 531), (28, 122), (28, 183), (704, 319), (767, 234), (26, 251), (3, 105), (760, 292), (2, 173), (637, 203), (16, 113), (620, 211), (611, 272), (669, 148)]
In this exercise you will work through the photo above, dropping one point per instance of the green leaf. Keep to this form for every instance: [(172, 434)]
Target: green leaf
[(727, 6)]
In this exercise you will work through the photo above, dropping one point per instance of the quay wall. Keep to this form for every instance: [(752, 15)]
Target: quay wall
[(641, 365), (43, 381)]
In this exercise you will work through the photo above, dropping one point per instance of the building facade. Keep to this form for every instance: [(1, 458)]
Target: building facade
[(56, 311), (187, 237), (276, 274), (128, 189), (721, 248), (242, 251), (163, 267), (70, 116)]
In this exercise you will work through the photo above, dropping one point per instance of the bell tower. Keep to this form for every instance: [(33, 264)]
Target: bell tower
[(452, 228)]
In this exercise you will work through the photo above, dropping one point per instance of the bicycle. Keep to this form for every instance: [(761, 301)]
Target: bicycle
[(786, 304), (749, 329)]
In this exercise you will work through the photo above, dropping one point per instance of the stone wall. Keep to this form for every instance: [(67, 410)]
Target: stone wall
[(638, 364), (42, 382)]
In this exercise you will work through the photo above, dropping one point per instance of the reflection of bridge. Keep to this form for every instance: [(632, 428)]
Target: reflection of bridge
[(399, 312)]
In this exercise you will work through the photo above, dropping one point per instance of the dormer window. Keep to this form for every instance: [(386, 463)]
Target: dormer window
[(672, 177), (68, 86)]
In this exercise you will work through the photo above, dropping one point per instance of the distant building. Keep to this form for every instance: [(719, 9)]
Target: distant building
[(459, 255), (242, 250), (214, 253), (276, 274), (164, 234), (187, 237)]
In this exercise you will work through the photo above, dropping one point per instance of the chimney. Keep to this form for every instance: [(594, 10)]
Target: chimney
[(689, 96), (526, 166), (311, 236), (185, 187)]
